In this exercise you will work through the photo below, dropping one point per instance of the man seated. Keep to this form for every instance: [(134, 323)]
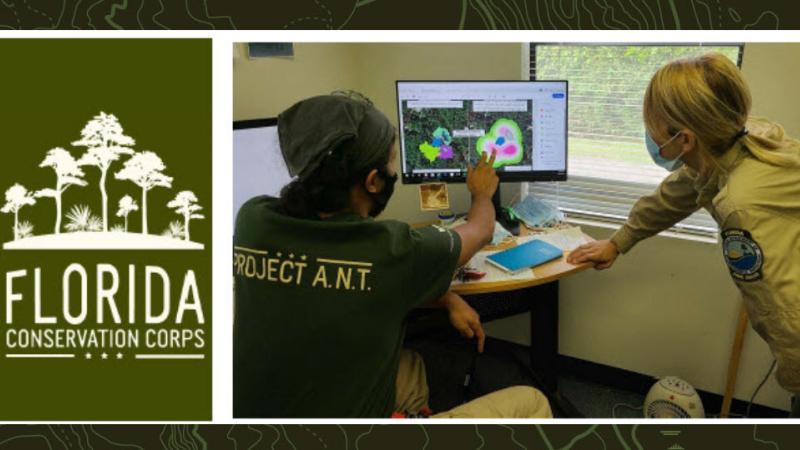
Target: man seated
[(322, 289)]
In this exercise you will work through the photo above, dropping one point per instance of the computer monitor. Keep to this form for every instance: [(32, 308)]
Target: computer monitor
[(258, 165), (445, 125)]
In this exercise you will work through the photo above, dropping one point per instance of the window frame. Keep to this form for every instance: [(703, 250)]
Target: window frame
[(682, 230)]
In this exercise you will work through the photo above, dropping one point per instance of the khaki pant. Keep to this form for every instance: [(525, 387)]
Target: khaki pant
[(516, 402)]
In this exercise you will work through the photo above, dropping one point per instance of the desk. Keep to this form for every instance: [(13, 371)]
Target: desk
[(539, 296), (546, 273)]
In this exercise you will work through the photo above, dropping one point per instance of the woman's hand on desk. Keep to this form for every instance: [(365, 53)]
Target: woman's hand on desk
[(464, 319), (601, 253)]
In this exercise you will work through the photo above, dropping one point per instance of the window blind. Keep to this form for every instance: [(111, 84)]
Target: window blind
[(609, 167)]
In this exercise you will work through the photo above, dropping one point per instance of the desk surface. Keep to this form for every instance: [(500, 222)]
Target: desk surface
[(545, 273)]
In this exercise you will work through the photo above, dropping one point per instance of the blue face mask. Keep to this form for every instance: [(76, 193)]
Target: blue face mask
[(655, 153)]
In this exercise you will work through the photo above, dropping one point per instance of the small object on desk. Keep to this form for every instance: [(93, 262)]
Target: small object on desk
[(536, 213), (508, 219), (493, 274), (433, 196), (525, 256), (500, 234), (469, 274), (446, 218)]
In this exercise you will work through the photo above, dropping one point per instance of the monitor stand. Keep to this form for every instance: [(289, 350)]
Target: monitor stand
[(502, 216)]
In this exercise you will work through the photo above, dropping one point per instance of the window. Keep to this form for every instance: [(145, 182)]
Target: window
[(609, 167)]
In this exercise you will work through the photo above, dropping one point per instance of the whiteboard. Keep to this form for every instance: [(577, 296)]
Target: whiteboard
[(258, 165)]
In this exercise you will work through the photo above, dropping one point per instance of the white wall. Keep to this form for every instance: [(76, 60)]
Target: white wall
[(264, 87), (771, 70), (666, 308)]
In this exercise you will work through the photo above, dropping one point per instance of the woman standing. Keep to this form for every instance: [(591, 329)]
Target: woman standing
[(746, 173)]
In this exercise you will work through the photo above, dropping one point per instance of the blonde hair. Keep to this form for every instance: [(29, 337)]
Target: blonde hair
[(708, 95)]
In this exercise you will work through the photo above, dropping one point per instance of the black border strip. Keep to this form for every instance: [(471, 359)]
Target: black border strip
[(255, 123)]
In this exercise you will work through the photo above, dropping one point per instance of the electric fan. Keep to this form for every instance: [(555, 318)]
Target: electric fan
[(673, 398)]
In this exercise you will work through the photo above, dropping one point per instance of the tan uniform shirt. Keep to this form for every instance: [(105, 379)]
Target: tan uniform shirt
[(757, 207)]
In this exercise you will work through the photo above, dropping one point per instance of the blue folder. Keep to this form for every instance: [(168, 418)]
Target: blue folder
[(530, 254)]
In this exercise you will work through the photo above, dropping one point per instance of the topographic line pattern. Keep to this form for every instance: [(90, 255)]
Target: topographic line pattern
[(408, 14), (419, 437)]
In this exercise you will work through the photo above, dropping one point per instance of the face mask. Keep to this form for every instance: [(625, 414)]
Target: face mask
[(381, 199), (655, 153)]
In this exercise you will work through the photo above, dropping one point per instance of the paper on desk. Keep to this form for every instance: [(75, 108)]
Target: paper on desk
[(500, 233), (492, 272), (566, 239)]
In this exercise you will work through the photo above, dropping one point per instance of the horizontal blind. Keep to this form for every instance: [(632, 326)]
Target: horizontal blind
[(609, 167), (599, 200)]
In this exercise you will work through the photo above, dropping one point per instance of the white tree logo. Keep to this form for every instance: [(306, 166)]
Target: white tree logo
[(105, 142), (17, 197), (126, 206), (68, 173), (185, 203), (145, 170)]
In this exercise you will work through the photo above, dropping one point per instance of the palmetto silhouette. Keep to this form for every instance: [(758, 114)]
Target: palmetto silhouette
[(174, 230), (105, 142), (185, 203), (80, 218), (17, 196), (25, 229), (144, 169), (68, 173)]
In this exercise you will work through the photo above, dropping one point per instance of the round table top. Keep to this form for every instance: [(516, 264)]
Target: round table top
[(545, 273)]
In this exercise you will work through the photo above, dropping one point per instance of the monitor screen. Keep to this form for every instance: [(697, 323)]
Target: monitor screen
[(258, 165), (445, 125)]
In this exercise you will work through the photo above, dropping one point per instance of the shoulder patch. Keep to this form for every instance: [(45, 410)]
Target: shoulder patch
[(742, 254)]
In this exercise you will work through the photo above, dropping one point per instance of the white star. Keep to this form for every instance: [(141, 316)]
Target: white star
[(104, 355), (119, 355), (88, 356)]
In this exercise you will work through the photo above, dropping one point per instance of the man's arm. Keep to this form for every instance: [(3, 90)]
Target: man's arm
[(462, 316), (477, 232)]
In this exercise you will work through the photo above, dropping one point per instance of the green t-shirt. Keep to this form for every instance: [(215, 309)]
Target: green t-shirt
[(320, 305)]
